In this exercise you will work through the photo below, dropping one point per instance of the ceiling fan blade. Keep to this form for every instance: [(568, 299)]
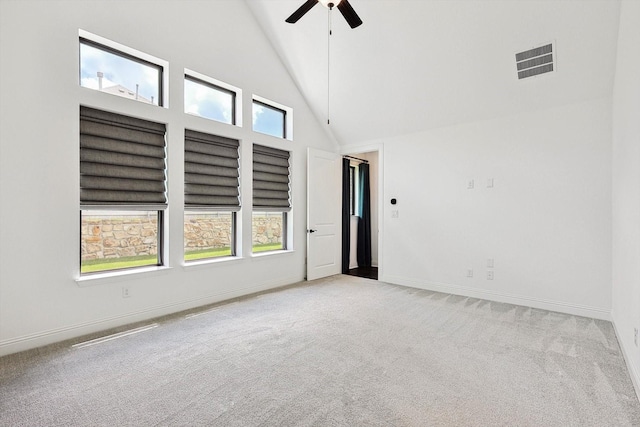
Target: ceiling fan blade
[(349, 14), (306, 7)]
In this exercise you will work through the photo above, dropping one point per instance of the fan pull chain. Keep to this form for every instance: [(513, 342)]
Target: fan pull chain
[(329, 66)]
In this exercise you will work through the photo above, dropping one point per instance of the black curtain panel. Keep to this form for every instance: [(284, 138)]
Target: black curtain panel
[(346, 215), (364, 225)]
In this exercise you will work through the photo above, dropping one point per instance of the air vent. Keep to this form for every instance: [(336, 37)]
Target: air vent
[(535, 61)]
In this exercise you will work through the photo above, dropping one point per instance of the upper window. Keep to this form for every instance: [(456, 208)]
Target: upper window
[(109, 70), (270, 119), (208, 100)]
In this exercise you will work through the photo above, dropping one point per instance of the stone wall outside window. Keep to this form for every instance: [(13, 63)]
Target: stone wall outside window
[(125, 236)]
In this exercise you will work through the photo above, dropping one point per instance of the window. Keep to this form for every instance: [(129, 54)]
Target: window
[(352, 189), (113, 240), (209, 101), (109, 70), (211, 195), (269, 120), (208, 234), (268, 230), (122, 191), (271, 201)]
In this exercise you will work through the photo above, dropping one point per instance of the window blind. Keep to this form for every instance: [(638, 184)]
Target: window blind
[(270, 179), (211, 178), (122, 160)]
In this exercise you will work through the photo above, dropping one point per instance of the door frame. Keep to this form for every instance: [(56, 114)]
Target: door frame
[(354, 150)]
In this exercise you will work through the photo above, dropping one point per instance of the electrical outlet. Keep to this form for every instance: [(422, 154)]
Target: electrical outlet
[(489, 275), (470, 273), (126, 292), (490, 263), (470, 184), (635, 336), (394, 214)]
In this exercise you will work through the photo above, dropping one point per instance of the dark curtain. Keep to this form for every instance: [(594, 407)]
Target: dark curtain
[(364, 225), (346, 215)]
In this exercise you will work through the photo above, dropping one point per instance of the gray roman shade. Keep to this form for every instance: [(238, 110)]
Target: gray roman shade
[(210, 172), (270, 179), (122, 160)]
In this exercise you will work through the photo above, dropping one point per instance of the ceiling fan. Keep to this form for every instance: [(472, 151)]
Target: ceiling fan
[(343, 6)]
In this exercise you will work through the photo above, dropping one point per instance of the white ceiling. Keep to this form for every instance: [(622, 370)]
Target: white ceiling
[(415, 65)]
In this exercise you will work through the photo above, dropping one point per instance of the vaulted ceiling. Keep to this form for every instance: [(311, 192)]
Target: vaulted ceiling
[(415, 65)]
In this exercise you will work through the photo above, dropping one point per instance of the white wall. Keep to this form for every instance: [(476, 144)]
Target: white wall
[(40, 301), (546, 222), (626, 186)]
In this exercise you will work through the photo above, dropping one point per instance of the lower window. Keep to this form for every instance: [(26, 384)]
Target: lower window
[(208, 235), (268, 231), (116, 240)]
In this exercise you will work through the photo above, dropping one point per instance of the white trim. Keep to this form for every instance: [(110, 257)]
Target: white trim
[(52, 336), (265, 254), (533, 302), (628, 359), (90, 279), (188, 265)]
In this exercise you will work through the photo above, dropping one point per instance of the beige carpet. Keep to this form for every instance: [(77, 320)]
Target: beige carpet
[(342, 351)]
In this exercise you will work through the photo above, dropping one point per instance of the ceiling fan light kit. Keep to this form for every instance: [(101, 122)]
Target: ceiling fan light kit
[(330, 4)]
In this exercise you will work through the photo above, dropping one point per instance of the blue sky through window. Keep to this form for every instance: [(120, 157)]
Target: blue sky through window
[(268, 120), (120, 74), (207, 101)]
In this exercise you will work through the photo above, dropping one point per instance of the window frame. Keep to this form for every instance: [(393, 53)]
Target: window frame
[(87, 97), (284, 237), (160, 238), (83, 39), (191, 137), (234, 236), (352, 188), (235, 95), (273, 108)]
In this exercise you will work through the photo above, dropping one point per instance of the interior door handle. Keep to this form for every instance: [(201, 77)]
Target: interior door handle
[(311, 231)]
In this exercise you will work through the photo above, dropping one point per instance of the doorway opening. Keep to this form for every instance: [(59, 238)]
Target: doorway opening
[(360, 215)]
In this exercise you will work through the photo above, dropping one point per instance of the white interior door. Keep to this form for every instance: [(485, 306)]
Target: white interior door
[(324, 214)]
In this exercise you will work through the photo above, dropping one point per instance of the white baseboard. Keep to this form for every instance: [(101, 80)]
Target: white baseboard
[(551, 305), (629, 360), (39, 339)]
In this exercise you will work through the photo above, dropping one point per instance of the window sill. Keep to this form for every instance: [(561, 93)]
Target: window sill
[(211, 261), (266, 254), (117, 276)]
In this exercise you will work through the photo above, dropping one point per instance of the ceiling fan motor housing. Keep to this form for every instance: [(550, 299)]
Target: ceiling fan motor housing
[(343, 6)]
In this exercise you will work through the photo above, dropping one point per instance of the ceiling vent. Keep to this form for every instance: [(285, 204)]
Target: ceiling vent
[(536, 61)]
